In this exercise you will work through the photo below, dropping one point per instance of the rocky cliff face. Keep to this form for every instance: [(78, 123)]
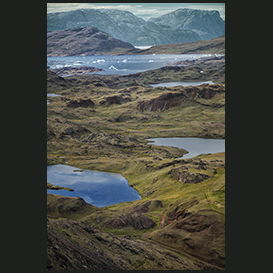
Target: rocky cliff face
[(121, 25), (207, 23)]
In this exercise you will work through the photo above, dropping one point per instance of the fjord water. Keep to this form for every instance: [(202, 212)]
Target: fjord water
[(194, 145), (97, 188), (121, 64)]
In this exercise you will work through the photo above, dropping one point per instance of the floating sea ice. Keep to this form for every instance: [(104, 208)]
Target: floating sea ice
[(124, 61), (101, 61), (112, 67), (151, 61)]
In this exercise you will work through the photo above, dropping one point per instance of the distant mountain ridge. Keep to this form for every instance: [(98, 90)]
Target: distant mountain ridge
[(122, 25), (207, 23)]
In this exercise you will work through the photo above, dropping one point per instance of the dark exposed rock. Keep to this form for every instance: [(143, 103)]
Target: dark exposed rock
[(61, 206), (143, 207), (115, 100), (66, 254), (164, 102), (180, 210), (184, 175), (80, 103), (136, 220), (204, 91), (195, 222), (50, 134), (168, 100)]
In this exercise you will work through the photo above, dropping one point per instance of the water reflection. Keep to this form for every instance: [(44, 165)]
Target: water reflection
[(96, 188)]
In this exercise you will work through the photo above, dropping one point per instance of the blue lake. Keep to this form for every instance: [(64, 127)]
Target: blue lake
[(122, 64), (194, 145), (97, 188)]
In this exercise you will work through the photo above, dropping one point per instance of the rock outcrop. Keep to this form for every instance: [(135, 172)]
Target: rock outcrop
[(80, 102), (168, 100), (116, 100), (184, 175), (135, 220)]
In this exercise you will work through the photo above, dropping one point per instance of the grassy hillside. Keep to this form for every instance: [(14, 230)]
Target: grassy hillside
[(102, 123)]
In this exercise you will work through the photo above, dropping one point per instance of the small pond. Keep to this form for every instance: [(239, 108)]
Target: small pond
[(52, 95), (97, 188), (171, 84), (194, 145)]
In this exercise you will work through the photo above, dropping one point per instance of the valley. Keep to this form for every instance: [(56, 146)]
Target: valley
[(101, 122), (99, 118)]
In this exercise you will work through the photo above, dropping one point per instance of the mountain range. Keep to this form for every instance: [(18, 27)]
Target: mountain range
[(182, 25), (206, 23)]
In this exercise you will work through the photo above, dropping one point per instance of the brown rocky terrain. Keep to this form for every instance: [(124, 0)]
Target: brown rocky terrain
[(195, 233), (80, 102), (136, 220), (76, 245), (184, 175), (117, 99), (168, 100)]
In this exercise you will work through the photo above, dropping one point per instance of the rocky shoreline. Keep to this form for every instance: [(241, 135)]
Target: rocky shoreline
[(79, 70)]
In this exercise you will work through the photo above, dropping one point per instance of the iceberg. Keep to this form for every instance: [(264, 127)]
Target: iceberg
[(112, 67)]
